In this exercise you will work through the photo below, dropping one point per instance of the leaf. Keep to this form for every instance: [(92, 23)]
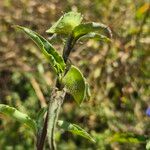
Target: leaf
[(95, 36), (50, 53), (75, 84), (86, 28), (40, 117), (128, 138), (66, 23), (75, 129), (148, 145), (143, 9), (19, 116)]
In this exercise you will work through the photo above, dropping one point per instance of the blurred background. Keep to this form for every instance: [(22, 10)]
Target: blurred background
[(118, 73)]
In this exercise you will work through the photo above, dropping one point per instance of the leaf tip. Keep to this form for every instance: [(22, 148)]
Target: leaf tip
[(49, 31), (93, 140)]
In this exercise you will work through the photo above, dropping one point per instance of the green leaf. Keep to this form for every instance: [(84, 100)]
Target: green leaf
[(75, 84), (148, 145), (40, 117), (75, 129), (95, 36), (128, 138), (47, 49), (19, 116), (86, 28), (66, 23)]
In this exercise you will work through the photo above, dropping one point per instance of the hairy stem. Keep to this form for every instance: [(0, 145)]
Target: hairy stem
[(57, 99), (41, 137), (55, 103), (68, 47)]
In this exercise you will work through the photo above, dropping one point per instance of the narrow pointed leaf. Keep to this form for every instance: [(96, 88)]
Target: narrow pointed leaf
[(75, 84), (86, 28), (66, 23), (40, 117), (47, 49), (19, 116), (75, 129)]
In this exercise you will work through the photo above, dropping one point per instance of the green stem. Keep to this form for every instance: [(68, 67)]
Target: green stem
[(68, 47), (57, 99), (55, 103), (41, 137)]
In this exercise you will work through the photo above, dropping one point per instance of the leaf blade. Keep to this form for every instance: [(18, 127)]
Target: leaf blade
[(128, 138), (148, 145), (66, 23), (75, 129), (47, 49), (86, 28), (95, 36), (19, 116), (75, 84), (40, 117)]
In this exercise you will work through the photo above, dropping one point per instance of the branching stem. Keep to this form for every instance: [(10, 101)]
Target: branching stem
[(54, 106)]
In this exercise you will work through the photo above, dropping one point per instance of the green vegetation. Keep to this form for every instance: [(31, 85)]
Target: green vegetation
[(111, 87), (69, 78)]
